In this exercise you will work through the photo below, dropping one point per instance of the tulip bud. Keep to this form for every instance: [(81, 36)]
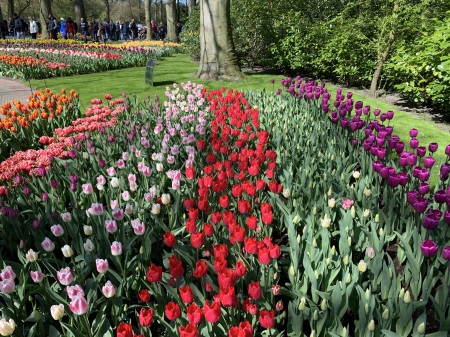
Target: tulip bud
[(377, 218), (299, 238), (295, 203), (348, 278), (353, 212), (366, 213), (346, 229), (141, 250), (367, 192), (315, 315), (331, 202), (345, 260), (302, 304), (371, 325), (342, 177), (316, 274), (362, 266), (349, 241), (344, 332), (385, 314), (327, 261), (296, 219), (367, 294), (291, 270), (402, 293), (421, 328), (286, 193), (325, 177), (275, 276), (313, 333), (87, 230), (333, 250), (67, 251), (314, 243), (407, 297), (314, 211), (330, 191), (356, 174), (323, 305), (165, 198), (341, 286), (381, 232), (366, 308)]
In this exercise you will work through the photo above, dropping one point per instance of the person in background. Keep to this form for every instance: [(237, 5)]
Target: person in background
[(154, 30), (107, 28), (84, 29), (133, 29), (118, 30), (70, 28), (125, 31), (3, 29), (19, 26), (94, 30), (34, 28), (63, 28), (112, 30), (53, 26)]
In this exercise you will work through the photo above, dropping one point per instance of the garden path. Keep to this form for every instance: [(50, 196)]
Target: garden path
[(11, 89)]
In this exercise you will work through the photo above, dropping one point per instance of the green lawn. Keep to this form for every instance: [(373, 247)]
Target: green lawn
[(179, 68)]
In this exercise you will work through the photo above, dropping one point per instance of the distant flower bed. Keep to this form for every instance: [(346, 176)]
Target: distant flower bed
[(38, 59)]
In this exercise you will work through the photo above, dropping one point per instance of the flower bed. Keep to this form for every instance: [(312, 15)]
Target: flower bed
[(36, 59), (220, 214)]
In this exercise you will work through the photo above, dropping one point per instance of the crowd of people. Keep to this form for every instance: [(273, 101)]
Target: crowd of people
[(95, 31)]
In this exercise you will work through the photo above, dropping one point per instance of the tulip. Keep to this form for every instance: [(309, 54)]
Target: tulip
[(67, 251), (79, 305), (88, 245), (413, 132), (433, 147), (31, 255), (421, 151), (57, 311), (7, 327), (116, 248), (446, 253), (429, 248), (108, 289)]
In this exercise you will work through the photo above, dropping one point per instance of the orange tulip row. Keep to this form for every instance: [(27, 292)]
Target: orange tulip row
[(17, 61), (41, 106)]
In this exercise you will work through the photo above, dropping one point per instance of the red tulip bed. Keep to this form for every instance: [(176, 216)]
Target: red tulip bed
[(215, 214)]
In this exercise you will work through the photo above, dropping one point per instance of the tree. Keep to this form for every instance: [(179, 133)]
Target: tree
[(171, 21), (45, 10), (148, 18), (218, 59), (78, 6), (191, 5)]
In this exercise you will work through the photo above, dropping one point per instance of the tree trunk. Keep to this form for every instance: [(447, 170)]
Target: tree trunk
[(148, 18), (10, 9), (217, 55), (191, 5), (45, 10), (171, 21), (78, 6), (161, 8), (383, 53), (108, 10)]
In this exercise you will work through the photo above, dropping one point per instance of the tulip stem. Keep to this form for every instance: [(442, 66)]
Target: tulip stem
[(88, 327)]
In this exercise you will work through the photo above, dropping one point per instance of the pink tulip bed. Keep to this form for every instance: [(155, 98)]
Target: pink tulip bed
[(225, 213)]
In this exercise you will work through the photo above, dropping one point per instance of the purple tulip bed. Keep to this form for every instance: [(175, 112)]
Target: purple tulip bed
[(226, 214)]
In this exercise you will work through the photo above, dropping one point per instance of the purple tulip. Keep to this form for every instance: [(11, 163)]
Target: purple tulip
[(26, 191), (411, 197), (446, 253), (373, 150), (447, 217), (376, 166), (44, 197), (344, 123), (444, 171), (367, 144), (424, 188), (376, 112), (334, 113), (394, 180), (353, 126), (416, 171), (414, 143), (383, 117), (403, 177), (439, 196), (366, 110), (399, 147), (429, 162), (390, 115), (334, 120), (73, 178), (431, 220), (355, 142), (381, 153), (429, 248), (412, 159), (421, 151), (349, 95), (420, 205), (36, 224), (367, 131), (359, 105), (424, 175), (403, 160), (433, 147), (389, 129), (413, 133), (54, 184), (392, 142), (384, 172), (447, 150)]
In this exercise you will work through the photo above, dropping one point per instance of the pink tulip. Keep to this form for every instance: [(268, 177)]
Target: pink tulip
[(87, 188), (96, 209), (79, 305), (108, 290), (126, 196), (7, 286), (347, 203), (111, 226), (48, 245), (102, 265), (118, 214), (73, 291), (57, 230), (116, 248), (138, 226), (111, 171), (7, 273), (65, 276), (37, 276)]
